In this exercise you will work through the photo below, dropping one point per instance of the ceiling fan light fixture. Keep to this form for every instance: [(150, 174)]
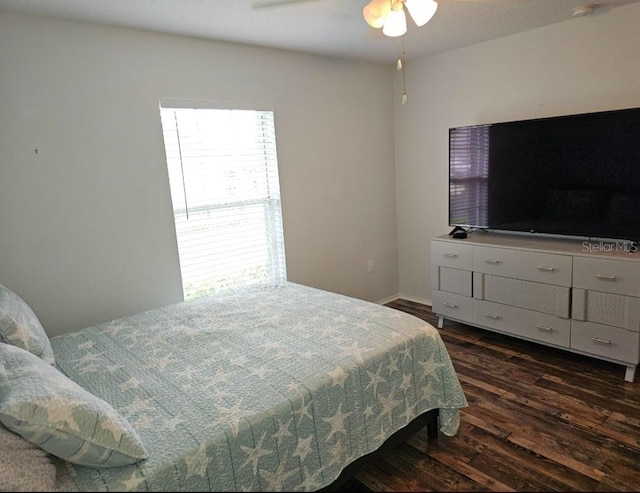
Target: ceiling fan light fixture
[(421, 11), (375, 12), (396, 22)]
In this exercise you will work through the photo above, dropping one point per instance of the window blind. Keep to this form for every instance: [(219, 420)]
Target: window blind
[(468, 176), (223, 176)]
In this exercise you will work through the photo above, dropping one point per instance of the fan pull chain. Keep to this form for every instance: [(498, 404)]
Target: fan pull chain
[(400, 67)]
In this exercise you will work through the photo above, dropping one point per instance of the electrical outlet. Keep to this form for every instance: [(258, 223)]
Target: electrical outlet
[(370, 266)]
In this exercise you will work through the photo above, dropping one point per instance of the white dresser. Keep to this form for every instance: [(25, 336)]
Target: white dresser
[(571, 294)]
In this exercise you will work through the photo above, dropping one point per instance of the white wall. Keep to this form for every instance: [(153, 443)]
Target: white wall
[(581, 65), (86, 226)]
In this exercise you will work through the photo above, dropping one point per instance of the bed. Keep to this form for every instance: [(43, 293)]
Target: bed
[(274, 387)]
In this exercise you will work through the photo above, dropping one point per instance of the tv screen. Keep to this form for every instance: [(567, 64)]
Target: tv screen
[(576, 175)]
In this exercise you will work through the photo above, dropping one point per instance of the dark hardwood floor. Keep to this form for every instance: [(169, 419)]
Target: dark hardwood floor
[(539, 419)]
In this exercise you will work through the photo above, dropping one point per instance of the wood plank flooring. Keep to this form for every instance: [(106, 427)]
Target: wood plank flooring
[(539, 419)]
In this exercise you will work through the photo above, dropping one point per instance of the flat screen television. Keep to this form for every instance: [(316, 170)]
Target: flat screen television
[(575, 175)]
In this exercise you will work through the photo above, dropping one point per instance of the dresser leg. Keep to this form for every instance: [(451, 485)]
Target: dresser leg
[(440, 322), (630, 373)]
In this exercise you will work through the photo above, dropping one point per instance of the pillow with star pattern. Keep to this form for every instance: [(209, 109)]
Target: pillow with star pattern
[(20, 326), (48, 409)]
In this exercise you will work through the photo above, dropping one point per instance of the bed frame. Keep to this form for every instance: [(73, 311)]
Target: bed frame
[(428, 420)]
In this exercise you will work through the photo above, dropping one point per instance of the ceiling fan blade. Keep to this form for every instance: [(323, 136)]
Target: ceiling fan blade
[(259, 4)]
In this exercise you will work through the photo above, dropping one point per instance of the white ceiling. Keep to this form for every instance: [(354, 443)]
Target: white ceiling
[(326, 27)]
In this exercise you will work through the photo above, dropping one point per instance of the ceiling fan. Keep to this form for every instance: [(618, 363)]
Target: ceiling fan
[(389, 14), (386, 14)]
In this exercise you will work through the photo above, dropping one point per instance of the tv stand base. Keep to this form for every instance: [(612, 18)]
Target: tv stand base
[(456, 229)]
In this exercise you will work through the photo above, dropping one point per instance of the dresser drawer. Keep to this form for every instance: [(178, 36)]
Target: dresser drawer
[(603, 340), (451, 280), (536, 296), (451, 305), (541, 267), (452, 254), (607, 275), (606, 308), (531, 325)]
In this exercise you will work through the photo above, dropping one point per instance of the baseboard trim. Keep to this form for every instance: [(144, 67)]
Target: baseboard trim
[(384, 301), (400, 296)]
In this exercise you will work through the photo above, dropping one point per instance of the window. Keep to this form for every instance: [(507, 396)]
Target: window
[(469, 174), (223, 175)]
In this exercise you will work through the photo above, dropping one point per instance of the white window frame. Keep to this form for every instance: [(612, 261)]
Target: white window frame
[(261, 199)]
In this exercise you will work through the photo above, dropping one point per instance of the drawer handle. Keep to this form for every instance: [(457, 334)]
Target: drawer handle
[(606, 277), (493, 316), (450, 305), (492, 261), (450, 255), (601, 341), (542, 328), (546, 268)]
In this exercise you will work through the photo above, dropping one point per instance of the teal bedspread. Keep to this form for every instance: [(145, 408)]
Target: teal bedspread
[(271, 388)]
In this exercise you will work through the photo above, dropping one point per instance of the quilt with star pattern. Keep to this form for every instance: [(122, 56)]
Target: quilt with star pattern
[(274, 387)]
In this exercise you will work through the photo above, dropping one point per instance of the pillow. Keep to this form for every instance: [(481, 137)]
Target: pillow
[(48, 409), (24, 466), (20, 326)]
